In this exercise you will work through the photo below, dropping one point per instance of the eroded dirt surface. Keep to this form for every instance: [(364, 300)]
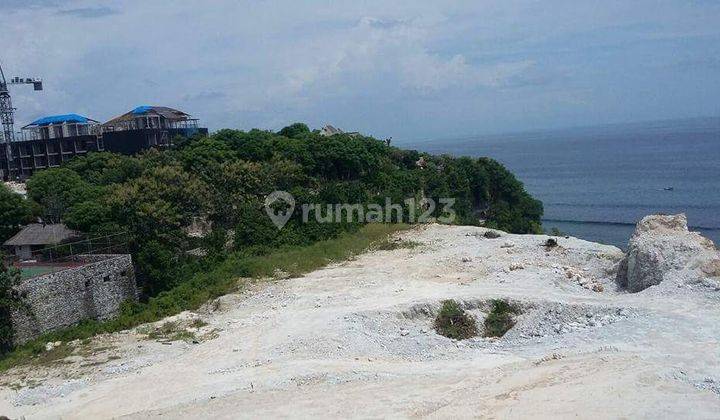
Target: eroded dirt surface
[(356, 339)]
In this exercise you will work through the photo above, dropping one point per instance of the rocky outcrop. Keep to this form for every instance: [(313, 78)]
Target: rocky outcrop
[(662, 247)]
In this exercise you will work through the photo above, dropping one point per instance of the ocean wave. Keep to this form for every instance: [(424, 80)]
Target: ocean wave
[(634, 206), (596, 222)]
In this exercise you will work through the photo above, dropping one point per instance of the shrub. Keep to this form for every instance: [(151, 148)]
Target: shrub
[(453, 322), (170, 331), (295, 130), (556, 232), (14, 211), (9, 277), (57, 190), (397, 244), (500, 319), (491, 234), (551, 243)]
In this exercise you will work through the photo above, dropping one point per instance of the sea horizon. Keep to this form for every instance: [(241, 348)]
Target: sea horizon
[(596, 182)]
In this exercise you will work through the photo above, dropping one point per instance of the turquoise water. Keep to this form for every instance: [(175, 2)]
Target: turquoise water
[(596, 183)]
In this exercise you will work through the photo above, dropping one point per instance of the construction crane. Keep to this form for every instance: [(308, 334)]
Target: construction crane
[(7, 112)]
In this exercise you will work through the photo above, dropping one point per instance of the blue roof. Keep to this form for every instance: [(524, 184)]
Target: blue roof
[(59, 119), (143, 109)]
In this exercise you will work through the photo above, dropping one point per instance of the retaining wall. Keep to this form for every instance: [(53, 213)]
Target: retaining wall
[(64, 298)]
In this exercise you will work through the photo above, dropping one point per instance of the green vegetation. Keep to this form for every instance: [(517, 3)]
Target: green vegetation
[(551, 243), (224, 178), (453, 322), (28, 272), (397, 244), (228, 276), (556, 232), (14, 212), (9, 277), (500, 319), (170, 331), (491, 234), (198, 323)]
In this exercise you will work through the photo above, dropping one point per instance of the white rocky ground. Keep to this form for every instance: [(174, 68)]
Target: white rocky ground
[(356, 340)]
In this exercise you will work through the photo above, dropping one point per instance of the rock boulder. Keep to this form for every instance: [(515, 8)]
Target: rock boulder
[(661, 247)]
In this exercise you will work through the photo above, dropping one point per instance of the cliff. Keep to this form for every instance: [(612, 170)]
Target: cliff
[(357, 338)]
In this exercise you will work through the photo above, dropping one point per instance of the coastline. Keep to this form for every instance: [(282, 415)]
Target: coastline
[(597, 182), (612, 233)]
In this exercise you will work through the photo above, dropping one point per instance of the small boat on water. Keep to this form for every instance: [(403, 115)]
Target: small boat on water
[(669, 188)]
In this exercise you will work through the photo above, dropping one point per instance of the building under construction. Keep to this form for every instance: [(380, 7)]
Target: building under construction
[(48, 142), (147, 126)]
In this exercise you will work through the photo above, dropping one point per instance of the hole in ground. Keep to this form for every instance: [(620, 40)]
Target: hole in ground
[(452, 321), (505, 317)]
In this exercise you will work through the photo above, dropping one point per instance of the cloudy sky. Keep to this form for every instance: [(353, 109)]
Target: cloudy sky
[(409, 69)]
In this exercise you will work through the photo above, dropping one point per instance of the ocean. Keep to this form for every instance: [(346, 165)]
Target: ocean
[(596, 183)]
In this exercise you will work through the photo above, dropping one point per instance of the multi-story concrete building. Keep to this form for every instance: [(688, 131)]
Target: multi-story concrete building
[(50, 141), (148, 126)]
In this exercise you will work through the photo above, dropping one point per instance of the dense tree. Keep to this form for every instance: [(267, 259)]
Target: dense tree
[(9, 277), (106, 168), (56, 190), (224, 179), (93, 217), (159, 267), (233, 183), (204, 157), (294, 131), (159, 203), (14, 212)]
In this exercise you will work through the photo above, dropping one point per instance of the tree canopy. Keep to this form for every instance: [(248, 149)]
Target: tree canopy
[(14, 212), (224, 178), (9, 277)]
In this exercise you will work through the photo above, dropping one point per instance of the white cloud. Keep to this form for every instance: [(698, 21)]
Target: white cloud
[(402, 68)]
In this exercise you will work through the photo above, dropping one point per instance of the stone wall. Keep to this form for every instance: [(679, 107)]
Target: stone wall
[(64, 298)]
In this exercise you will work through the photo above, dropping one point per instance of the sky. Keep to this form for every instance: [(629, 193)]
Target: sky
[(407, 69)]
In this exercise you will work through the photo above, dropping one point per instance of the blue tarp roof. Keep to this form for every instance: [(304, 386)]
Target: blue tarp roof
[(59, 119), (143, 109)]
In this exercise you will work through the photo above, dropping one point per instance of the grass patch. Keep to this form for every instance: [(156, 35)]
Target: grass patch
[(296, 261), (205, 286), (18, 385), (53, 356), (198, 323), (453, 322), (500, 319), (85, 349), (171, 331), (162, 332), (29, 272), (397, 244)]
